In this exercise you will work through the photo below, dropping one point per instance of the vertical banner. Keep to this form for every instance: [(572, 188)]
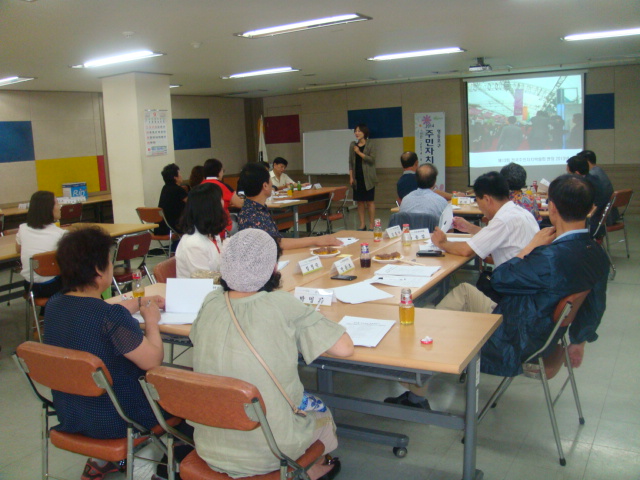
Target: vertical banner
[(155, 132), (430, 142), (262, 146)]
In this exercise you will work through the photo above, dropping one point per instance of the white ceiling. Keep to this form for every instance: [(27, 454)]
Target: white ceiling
[(42, 38)]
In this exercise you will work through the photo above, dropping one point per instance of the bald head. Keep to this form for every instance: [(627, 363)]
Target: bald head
[(426, 175), (409, 161)]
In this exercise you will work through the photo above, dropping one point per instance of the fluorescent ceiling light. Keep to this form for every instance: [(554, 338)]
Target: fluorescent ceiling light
[(306, 25), (595, 35), (269, 71), (127, 57), (175, 86), (12, 80), (421, 53)]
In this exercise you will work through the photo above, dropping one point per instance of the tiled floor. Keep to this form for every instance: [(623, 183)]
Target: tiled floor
[(515, 442)]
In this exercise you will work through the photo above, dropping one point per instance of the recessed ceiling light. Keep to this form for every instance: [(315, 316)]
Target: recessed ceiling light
[(269, 71), (12, 80), (595, 35), (305, 25), (421, 53), (126, 57), (175, 86)]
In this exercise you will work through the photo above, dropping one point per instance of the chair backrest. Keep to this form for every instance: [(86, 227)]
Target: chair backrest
[(150, 214), (62, 369), (71, 213), (622, 198), (132, 246), (602, 222), (45, 264), (573, 302), (210, 400), (165, 269), (1, 224), (415, 220), (340, 194)]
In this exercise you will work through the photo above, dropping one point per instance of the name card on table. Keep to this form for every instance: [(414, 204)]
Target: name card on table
[(311, 264), (313, 296), (317, 186), (344, 265), (420, 234), (393, 232)]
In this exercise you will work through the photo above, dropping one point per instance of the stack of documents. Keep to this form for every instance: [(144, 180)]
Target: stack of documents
[(184, 297), (410, 276)]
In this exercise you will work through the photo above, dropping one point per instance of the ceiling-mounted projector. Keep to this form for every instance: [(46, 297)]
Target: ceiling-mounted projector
[(480, 66)]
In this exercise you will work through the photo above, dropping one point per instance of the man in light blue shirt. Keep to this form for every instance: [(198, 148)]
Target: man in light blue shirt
[(424, 200)]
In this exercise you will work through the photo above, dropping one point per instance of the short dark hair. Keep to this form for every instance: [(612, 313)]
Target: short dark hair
[(197, 176), (274, 282), (578, 164), (493, 184), (589, 155), (212, 167), (426, 175), (408, 159), (573, 197), (204, 212), (515, 174), (363, 128), (169, 173), (512, 120), (40, 213), (280, 161), (252, 177), (81, 253)]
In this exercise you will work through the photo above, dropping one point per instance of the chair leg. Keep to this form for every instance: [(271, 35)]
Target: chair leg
[(115, 284), (574, 385), (493, 401), (626, 240), (129, 473), (552, 413), (45, 443), (606, 239)]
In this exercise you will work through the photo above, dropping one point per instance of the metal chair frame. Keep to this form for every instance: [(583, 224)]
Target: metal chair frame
[(216, 401), (156, 215), (339, 195), (34, 360), (564, 314), (128, 247), (46, 265), (600, 239), (621, 200)]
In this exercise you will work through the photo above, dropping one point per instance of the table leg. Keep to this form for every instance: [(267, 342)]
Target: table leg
[(296, 226), (469, 471)]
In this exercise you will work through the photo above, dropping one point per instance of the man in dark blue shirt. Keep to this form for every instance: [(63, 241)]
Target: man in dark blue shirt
[(407, 182)]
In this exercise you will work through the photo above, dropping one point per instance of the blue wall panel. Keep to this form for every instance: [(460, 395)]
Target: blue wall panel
[(16, 142), (383, 122), (190, 133), (599, 111)]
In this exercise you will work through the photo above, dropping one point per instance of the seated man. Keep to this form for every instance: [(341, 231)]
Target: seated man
[(607, 186), (279, 179), (424, 200), (510, 227), (559, 261), (256, 182), (580, 166), (407, 182), (172, 199)]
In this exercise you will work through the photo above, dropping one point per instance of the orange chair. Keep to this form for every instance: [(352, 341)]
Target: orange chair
[(547, 367), (620, 200), (127, 248), (46, 265), (165, 269), (70, 213), (156, 215), (339, 197), (220, 402), (80, 373)]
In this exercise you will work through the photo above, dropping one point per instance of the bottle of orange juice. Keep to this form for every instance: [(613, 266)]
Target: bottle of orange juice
[(407, 309)]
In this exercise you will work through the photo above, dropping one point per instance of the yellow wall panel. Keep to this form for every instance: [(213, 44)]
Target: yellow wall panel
[(453, 150), (52, 173), (409, 144)]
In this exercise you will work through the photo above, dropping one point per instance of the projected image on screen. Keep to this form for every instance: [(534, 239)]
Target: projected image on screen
[(536, 122)]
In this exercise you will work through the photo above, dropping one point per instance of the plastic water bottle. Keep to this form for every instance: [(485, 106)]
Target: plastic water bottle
[(406, 235), (365, 256), (377, 230), (407, 309)]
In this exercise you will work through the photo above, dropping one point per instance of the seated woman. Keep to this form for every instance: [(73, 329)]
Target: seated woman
[(40, 234), (196, 177), (279, 326), (516, 176), (79, 319), (203, 221)]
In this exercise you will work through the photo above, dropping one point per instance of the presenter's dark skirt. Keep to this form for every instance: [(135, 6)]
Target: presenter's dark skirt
[(362, 194)]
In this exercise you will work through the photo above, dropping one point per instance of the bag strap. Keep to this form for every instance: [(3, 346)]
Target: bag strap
[(295, 409)]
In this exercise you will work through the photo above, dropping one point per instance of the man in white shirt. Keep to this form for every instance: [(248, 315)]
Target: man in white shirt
[(424, 200), (279, 179)]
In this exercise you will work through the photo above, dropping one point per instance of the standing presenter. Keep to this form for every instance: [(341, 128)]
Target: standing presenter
[(362, 174)]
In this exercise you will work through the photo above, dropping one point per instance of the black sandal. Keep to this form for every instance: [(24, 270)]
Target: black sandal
[(333, 473)]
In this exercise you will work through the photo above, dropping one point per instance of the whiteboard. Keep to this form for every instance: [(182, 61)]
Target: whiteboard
[(326, 152)]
